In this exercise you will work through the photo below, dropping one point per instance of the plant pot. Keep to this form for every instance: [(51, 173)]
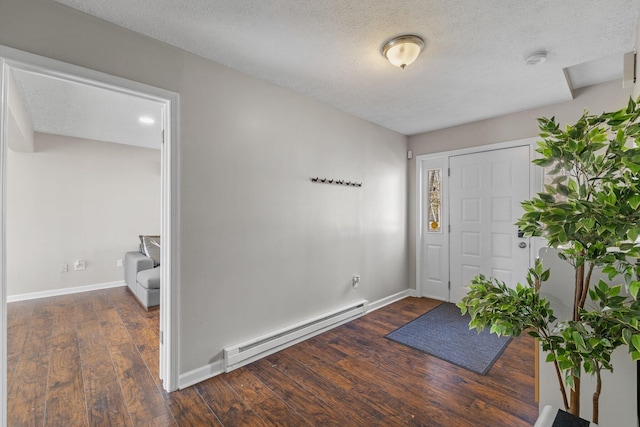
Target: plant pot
[(554, 417)]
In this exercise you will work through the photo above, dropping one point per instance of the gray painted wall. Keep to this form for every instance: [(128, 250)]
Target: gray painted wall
[(261, 246)]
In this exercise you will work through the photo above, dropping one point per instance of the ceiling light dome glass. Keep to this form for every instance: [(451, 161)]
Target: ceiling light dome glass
[(402, 51), (536, 58)]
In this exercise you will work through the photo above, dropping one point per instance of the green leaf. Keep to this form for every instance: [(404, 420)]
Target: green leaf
[(634, 287), (580, 341), (610, 271), (614, 291), (635, 340), (634, 201), (589, 223), (545, 275)]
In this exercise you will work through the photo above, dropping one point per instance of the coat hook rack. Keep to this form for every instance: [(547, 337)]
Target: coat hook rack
[(336, 182)]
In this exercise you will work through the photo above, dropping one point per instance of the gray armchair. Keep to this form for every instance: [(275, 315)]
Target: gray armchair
[(142, 278)]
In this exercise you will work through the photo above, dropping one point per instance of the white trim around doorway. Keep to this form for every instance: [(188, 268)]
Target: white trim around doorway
[(15, 59), (535, 186), (3, 242)]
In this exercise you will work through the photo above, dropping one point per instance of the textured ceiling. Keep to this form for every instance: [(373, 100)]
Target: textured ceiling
[(472, 67), (62, 107)]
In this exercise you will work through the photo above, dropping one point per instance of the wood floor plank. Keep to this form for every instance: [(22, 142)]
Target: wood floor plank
[(105, 402), (228, 407), (133, 314), (142, 333), (146, 405), (360, 413), (322, 357), (418, 402), (92, 359), (144, 401), (484, 413), (18, 317), (28, 385), (309, 405), (266, 404), (189, 409), (65, 395)]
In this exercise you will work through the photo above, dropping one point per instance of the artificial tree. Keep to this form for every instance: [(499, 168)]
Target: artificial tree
[(589, 212)]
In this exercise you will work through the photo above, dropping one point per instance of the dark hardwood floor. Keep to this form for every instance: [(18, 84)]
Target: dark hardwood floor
[(92, 359)]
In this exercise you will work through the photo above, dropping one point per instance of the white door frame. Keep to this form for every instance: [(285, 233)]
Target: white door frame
[(535, 185), (169, 274)]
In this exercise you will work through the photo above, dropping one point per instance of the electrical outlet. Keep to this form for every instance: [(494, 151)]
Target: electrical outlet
[(80, 265), (64, 268), (355, 281), (119, 263)]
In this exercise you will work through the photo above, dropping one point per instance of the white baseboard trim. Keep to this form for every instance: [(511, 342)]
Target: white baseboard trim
[(200, 374), (63, 291), (391, 299), (212, 369)]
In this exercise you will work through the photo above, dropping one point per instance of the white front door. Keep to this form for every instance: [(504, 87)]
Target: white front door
[(485, 191)]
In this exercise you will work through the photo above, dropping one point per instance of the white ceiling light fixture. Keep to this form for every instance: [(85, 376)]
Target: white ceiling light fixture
[(403, 50), (146, 120), (536, 58)]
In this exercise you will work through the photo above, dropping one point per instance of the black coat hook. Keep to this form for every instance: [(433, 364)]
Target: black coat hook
[(336, 181)]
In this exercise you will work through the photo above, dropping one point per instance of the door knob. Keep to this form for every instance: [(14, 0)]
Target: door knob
[(522, 245)]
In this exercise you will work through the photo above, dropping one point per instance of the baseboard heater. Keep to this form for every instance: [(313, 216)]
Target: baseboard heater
[(252, 350)]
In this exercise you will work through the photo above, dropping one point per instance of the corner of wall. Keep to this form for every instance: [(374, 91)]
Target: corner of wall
[(20, 129)]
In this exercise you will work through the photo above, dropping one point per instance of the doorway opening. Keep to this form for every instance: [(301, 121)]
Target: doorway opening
[(468, 201), (14, 60)]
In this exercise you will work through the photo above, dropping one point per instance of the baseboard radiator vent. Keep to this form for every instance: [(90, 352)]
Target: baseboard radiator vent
[(250, 351)]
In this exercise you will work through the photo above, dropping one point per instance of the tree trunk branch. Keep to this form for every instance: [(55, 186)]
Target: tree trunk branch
[(579, 286), (563, 389), (585, 287), (574, 404), (596, 396)]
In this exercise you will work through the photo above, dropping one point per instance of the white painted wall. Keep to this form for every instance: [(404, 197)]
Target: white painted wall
[(77, 199), (261, 246), (604, 97)]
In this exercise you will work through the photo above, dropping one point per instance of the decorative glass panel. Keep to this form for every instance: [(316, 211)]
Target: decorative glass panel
[(434, 205)]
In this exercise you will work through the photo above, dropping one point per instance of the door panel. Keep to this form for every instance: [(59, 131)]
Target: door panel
[(485, 191), (433, 266)]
